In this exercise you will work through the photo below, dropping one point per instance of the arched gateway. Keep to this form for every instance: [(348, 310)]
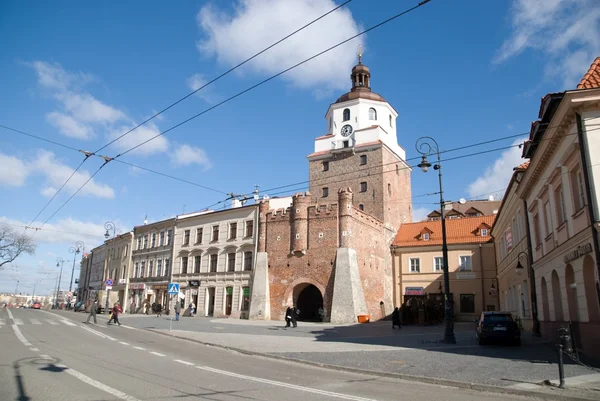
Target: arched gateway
[(308, 300)]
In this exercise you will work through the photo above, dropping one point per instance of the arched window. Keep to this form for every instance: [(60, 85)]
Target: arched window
[(346, 115), (389, 188), (391, 121), (372, 114)]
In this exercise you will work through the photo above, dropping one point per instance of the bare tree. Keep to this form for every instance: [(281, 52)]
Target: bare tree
[(13, 244)]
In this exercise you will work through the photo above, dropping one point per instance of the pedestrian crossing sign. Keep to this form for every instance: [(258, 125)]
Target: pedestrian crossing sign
[(173, 288)]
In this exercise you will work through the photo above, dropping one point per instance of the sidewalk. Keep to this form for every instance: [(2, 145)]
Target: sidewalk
[(412, 353)]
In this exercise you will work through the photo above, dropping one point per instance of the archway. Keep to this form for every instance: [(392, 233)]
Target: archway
[(571, 289), (589, 285), (557, 298), (308, 300)]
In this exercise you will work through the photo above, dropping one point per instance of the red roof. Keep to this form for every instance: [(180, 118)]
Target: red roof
[(458, 231), (522, 166), (592, 78)]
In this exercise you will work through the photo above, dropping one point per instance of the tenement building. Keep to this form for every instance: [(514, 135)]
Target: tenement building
[(329, 252), (151, 259), (214, 257), (116, 268)]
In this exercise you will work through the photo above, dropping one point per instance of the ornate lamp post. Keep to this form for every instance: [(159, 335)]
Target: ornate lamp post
[(76, 250), (109, 225), (61, 262), (427, 146)]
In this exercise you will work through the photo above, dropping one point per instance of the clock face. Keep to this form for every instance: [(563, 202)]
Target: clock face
[(346, 130)]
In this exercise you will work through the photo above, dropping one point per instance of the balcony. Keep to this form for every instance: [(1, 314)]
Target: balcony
[(150, 250), (344, 145)]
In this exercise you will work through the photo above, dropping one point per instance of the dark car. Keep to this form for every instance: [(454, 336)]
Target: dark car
[(498, 326)]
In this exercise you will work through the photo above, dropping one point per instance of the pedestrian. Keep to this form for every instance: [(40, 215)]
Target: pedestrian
[(192, 309), (396, 318), (132, 307), (177, 309), (295, 313), (158, 310), (115, 314), (154, 309), (288, 316), (93, 309)]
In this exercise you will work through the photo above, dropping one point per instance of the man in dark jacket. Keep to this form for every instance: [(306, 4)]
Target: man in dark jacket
[(93, 310), (396, 318)]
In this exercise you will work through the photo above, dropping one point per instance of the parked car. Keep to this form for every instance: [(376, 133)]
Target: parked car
[(36, 305), (497, 326)]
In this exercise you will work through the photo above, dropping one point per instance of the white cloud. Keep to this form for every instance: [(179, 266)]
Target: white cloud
[(48, 192), (134, 138), (566, 32), (69, 126), (234, 37), (185, 155), (66, 231), (420, 213), (13, 171), (87, 108), (498, 174), (53, 76), (197, 81)]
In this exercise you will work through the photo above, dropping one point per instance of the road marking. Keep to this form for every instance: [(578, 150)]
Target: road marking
[(18, 321), (34, 349), (35, 321), (286, 385), (2, 322), (52, 322), (68, 323), (184, 362), (140, 348), (123, 342), (157, 353), (128, 327), (20, 336), (44, 356), (98, 333), (88, 380)]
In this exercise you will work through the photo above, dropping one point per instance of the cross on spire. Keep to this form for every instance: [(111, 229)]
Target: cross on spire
[(359, 53)]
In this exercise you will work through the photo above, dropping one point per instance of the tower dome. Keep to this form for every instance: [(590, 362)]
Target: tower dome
[(361, 84)]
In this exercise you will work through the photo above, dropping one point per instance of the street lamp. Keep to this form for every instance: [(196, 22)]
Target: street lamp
[(76, 250), (519, 267), (109, 225), (61, 262), (427, 146)]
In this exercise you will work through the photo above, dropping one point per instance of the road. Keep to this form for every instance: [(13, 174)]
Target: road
[(46, 356)]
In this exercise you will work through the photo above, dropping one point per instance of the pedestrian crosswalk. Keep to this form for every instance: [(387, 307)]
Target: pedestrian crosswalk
[(36, 322)]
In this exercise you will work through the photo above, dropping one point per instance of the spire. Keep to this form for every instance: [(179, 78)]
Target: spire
[(359, 54), (360, 76)]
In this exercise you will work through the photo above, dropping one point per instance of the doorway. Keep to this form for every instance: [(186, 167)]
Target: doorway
[(308, 301), (228, 300), (211, 301)]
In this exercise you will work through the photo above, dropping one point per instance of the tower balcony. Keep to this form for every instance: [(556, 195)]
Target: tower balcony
[(343, 145)]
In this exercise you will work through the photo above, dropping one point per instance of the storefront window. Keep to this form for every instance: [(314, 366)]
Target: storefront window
[(245, 298)]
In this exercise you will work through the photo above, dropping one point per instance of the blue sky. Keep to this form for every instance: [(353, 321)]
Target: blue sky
[(83, 73)]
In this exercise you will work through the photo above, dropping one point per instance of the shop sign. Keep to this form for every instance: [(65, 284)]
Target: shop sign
[(414, 291), (465, 275), (194, 283), (122, 281), (160, 287), (150, 292), (577, 253), (194, 291), (137, 286)]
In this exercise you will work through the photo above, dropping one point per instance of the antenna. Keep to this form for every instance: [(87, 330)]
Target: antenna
[(146, 219), (255, 192)]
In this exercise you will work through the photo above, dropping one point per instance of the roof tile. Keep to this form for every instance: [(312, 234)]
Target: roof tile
[(458, 231), (592, 78)]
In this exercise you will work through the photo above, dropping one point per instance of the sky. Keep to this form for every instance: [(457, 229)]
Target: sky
[(81, 74)]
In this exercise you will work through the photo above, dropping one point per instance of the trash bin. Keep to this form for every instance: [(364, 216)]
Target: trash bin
[(364, 318)]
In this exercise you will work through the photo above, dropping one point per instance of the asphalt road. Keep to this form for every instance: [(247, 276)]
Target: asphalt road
[(46, 356)]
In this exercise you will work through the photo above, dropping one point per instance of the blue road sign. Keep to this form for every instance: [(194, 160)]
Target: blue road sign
[(109, 281), (173, 288)]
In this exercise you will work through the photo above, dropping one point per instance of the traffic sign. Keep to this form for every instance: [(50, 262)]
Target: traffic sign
[(69, 294), (173, 288), (109, 282), (109, 287)]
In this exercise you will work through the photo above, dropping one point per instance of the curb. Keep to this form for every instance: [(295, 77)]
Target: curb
[(422, 379)]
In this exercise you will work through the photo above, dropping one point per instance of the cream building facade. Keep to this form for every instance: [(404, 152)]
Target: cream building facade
[(151, 260), (116, 267), (214, 254)]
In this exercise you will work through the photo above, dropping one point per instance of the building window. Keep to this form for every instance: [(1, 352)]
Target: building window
[(465, 263), (372, 114), (415, 265), (391, 121), (142, 268), (136, 270), (139, 242), (184, 264), (145, 241), (153, 240), (425, 236), (330, 123), (361, 207), (150, 268), (346, 144), (159, 268), (560, 205), (231, 262), (363, 187), (548, 217), (232, 230), (397, 170), (467, 303), (325, 192), (363, 160), (389, 188), (125, 250), (577, 189), (167, 266), (249, 228), (213, 263), (169, 236), (581, 188), (484, 232), (215, 233), (245, 298), (186, 237), (199, 232), (536, 228), (161, 240), (248, 261), (438, 264), (325, 166), (197, 260), (346, 116), (520, 225)]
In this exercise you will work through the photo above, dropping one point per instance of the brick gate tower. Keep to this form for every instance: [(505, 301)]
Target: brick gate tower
[(330, 249)]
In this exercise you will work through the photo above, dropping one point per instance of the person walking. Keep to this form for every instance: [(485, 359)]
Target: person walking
[(396, 318), (192, 309), (115, 314), (158, 310), (93, 310), (177, 309)]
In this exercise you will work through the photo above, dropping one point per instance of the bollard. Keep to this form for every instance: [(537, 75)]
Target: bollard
[(561, 368)]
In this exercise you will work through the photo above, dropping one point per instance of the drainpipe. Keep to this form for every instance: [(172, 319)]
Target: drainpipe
[(482, 285), (532, 290), (588, 190)]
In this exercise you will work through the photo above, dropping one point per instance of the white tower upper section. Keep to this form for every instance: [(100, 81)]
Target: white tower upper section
[(360, 118)]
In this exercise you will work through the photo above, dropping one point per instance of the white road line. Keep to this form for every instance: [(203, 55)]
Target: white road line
[(52, 322), (286, 385), (44, 356), (184, 362), (2, 322), (88, 380), (140, 348), (68, 323), (20, 336), (128, 327), (157, 353), (17, 321), (123, 342), (34, 349), (98, 333), (35, 321)]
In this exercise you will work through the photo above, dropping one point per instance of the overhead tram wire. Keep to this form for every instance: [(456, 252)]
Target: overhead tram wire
[(109, 159), (87, 154)]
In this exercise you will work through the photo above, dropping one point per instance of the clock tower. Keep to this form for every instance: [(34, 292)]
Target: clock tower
[(360, 151)]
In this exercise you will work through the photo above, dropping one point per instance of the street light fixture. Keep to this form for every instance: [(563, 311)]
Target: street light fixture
[(109, 225), (427, 146), (519, 267), (76, 250), (61, 262)]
